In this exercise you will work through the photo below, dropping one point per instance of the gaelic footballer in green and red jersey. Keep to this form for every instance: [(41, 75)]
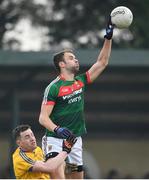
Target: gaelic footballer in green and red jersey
[(68, 100)]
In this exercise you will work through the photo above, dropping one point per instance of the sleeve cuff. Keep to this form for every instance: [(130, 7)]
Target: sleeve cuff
[(88, 77), (48, 102)]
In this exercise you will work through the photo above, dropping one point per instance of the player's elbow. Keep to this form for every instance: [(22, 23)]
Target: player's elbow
[(41, 119), (104, 63)]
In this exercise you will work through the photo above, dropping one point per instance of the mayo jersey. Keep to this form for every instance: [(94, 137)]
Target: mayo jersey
[(23, 162), (68, 100)]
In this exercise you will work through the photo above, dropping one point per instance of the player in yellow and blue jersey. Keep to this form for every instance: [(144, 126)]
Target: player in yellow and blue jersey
[(28, 159)]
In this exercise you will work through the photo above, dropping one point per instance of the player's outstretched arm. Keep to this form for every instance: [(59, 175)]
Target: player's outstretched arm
[(51, 164), (103, 58)]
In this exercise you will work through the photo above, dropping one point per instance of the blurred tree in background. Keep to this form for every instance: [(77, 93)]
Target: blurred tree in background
[(74, 23), (11, 13)]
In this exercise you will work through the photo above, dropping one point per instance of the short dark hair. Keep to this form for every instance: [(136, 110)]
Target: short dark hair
[(58, 57), (21, 128)]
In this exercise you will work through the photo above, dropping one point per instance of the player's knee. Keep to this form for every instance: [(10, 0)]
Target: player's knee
[(73, 168), (51, 155)]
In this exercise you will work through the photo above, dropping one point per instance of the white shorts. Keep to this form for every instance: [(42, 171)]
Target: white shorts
[(52, 144)]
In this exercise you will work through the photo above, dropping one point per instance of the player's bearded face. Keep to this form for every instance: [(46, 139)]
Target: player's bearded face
[(73, 69), (71, 63)]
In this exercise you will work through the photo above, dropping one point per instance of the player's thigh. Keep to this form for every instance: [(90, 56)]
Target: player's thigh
[(75, 156), (51, 144), (51, 147), (74, 162)]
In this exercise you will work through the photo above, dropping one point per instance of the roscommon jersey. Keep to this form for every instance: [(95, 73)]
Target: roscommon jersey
[(24, 161), (68, 100)]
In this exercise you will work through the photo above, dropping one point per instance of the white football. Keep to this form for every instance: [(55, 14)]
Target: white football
[(122, 17)]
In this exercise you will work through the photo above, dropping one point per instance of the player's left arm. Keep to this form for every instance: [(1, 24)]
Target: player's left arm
[(102, 60), (53, 163), (104, 55)]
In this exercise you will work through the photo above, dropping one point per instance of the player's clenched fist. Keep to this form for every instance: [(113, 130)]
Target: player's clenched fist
[(109, 29), (68, 143), (62, 132)]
